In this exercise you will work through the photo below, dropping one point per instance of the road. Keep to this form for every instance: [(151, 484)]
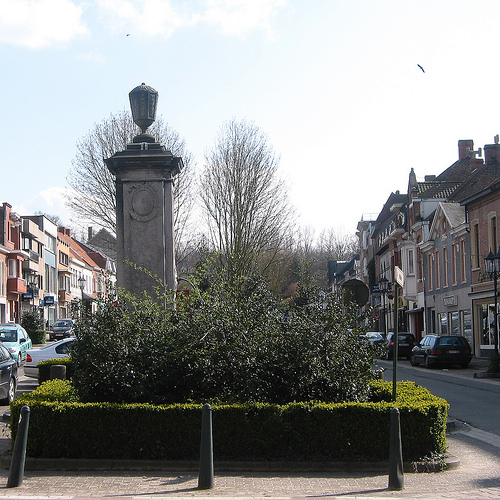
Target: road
[(475, 401), (25, 384)]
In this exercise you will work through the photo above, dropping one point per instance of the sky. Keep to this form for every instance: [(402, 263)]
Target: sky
[(334, 84)]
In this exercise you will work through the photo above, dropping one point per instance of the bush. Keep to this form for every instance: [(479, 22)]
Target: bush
[(32, 322), (44, 368), (38, 336), (226, 341), (251, 431)]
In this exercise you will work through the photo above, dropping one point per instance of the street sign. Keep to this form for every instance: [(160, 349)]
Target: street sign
[(400, 277)]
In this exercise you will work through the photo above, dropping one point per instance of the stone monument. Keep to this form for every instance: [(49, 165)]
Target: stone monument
[(144, 174)]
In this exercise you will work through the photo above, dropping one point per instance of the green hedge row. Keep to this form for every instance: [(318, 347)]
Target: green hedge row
[(44, 368), (297, 431)]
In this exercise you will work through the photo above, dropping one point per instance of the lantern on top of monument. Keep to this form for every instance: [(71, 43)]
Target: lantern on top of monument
[(143, 102)]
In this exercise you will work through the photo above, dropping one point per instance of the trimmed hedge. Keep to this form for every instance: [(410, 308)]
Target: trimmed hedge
[(44, 368), (38, 336), (296, 431)]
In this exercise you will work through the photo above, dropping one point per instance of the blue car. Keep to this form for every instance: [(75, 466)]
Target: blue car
[(16, 340)]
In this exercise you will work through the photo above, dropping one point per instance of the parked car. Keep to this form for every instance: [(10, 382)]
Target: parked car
[(62, 328), (8, 376), (375, 338), (59, 349), (16, 340), (406, 341), (442, 350)]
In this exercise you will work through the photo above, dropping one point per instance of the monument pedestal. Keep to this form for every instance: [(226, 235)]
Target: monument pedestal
[(144, 175)]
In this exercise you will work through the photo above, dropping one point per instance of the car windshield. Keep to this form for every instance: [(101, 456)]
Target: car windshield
[(452, 341), (8, 335), (66, 322)]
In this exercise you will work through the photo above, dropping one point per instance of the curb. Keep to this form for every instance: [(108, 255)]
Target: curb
[(76, 464)]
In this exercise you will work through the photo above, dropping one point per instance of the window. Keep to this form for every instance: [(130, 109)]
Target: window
[(443, 323), (467, 324), (63, 259), (50, 242), (445, 266), (455, 323), (474, 245), (463, 261), (411, 263), (430, 270), (12, 268), (438, 270), (455, 262)]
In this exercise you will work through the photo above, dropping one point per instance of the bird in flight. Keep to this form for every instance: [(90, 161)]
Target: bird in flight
[(421, 68)]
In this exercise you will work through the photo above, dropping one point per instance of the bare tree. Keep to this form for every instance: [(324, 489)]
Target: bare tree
[(337, 245), (93, 197), (246, 204)]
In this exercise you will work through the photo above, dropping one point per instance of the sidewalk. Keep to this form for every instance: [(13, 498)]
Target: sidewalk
[(477, 477)]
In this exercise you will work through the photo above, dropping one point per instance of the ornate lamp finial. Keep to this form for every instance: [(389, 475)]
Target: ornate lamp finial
[(143, 102)]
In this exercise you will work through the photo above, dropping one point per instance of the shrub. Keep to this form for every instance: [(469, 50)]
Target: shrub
[(44, 368), (32, 322), (250, 431), (226, 341), (38, 336)]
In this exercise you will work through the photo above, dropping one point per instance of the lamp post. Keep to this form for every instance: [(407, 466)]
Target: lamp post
[(383, 286), (81, 284), (492, 264)]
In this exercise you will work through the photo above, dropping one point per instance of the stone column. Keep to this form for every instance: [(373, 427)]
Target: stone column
[(144, 175)]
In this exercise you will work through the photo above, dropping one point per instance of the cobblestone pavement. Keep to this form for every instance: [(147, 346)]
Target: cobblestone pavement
[(478, 476)]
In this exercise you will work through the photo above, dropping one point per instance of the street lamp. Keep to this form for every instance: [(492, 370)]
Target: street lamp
[(143, 103), (492, 264), (81, 284), (383, 286)]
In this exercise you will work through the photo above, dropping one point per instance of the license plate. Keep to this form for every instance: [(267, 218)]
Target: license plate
[(453, 351), (403, 344)]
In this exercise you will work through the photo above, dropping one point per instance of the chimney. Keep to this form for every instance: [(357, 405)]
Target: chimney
[(491, 153), (90, 234), (464, 145), (67, 231)]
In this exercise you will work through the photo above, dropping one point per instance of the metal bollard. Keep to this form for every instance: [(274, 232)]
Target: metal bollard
[(16, 472), (206, 474), (58, 371), (396, 475)]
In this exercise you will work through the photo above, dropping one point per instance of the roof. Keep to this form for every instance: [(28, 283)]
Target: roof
[(480, 180), (78, 250), (454, 212), (394, 198), (437, 189)]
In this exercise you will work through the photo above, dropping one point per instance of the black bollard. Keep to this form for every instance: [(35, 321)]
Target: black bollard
[(16, 473), (396, 476), (58, 371), (206, 475)]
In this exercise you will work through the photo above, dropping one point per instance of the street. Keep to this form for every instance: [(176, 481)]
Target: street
[(25, 384), (474, 401)]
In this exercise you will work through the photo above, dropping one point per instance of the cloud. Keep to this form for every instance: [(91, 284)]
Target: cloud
[(39, 23), (144, 17), (163, 17), (238, 17)]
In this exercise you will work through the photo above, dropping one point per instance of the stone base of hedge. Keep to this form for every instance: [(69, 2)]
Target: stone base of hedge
[(257, 432)]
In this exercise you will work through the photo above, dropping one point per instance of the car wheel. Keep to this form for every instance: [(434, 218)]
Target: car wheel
[(464, 365), (413, 362), (11, 394)]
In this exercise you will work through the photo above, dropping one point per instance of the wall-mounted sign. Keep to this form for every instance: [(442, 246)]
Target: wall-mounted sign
[(399, 276), (49, 300), (450, 301)]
